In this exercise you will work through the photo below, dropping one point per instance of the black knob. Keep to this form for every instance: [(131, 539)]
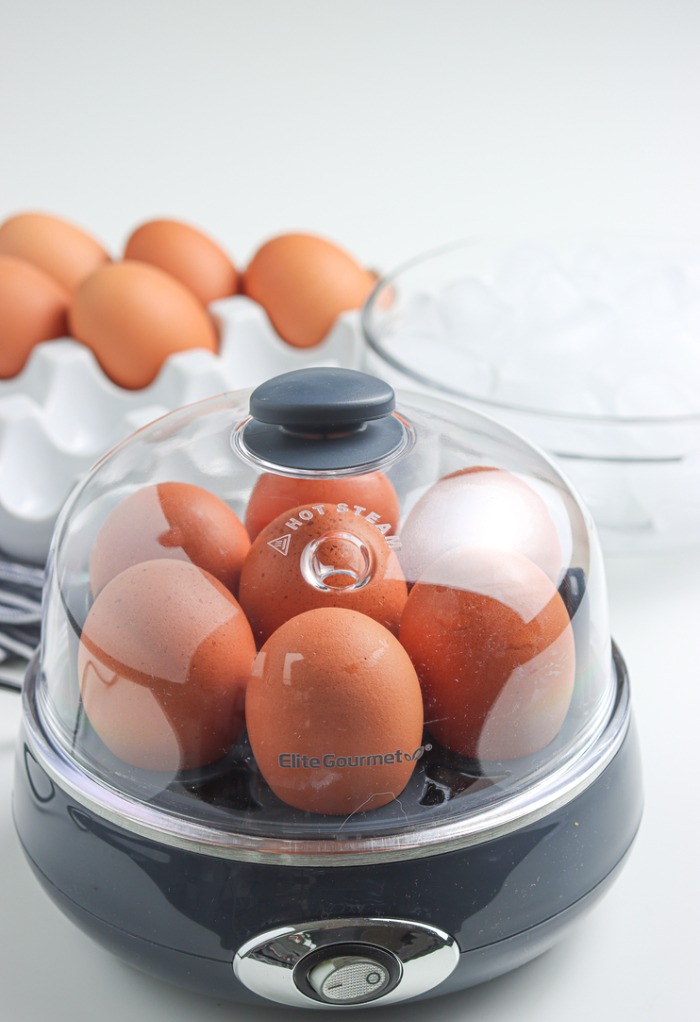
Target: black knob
[(321, 420), (321, 400)]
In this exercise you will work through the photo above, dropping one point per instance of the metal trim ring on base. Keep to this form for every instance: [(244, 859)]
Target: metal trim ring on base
[(272, 964)]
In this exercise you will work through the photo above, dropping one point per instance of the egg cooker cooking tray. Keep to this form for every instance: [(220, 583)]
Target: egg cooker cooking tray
[(305, 863)]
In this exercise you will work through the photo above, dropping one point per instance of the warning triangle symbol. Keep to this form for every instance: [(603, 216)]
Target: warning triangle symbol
[(281, 544)]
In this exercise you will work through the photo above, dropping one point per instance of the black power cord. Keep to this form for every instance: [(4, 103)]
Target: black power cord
[(20, 617)]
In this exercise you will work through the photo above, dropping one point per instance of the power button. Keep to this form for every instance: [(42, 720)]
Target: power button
[(339, 963), (348, 974)]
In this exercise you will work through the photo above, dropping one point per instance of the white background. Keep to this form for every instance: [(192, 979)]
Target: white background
[(390, 127)]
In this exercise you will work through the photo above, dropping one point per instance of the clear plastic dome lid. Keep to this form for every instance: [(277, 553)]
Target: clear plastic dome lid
[(318, 618)]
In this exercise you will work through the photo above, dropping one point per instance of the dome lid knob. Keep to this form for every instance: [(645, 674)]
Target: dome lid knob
[(323, 419)]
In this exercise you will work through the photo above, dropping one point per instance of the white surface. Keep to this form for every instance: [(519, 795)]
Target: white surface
[(390, 126)]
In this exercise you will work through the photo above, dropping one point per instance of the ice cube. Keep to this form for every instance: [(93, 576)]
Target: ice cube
[(421, 314), (561, 390), (655, 302), (552, 296), (416, 348), (605, 269), (520, 269), (591, 328), (467, 305), (691, 319), (564, 367), (464, 371), (590, 267)]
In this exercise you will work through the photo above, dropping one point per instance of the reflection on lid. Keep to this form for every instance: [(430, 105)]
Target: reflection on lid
[(491, 640), (163, 662), (483, 507)]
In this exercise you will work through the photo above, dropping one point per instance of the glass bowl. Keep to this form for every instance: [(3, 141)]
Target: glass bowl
[(589, 349)]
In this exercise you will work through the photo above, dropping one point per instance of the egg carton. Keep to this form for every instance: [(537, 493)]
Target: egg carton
[(61, 413)]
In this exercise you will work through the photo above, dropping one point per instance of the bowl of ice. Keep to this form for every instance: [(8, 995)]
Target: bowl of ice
[(588, 348)]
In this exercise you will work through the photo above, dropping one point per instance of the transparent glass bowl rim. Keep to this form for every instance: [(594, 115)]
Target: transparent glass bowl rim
[(367, 315)]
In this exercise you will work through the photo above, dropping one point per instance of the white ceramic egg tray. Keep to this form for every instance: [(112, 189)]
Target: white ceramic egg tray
[(61, 413)]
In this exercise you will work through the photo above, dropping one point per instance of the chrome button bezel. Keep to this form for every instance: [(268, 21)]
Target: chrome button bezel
[(272, 963)]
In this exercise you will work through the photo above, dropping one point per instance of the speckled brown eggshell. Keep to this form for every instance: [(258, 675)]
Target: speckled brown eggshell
[(164, 659), (272, 495), (62, 250), (482, 507), (333, 685), (275, 583), (33, 308), (173, 520), (492, 643)]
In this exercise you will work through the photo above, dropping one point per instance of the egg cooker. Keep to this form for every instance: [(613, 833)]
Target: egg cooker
[(203, 874)]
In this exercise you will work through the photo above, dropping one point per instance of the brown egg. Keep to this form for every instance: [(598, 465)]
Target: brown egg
[(164, 659), (304, 283), (187, 254), (334, 713), (320, 555), (133, 316), (492, 643), (60, 249), (33, 308), (178, 521), (372, 494), (480, 507)]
